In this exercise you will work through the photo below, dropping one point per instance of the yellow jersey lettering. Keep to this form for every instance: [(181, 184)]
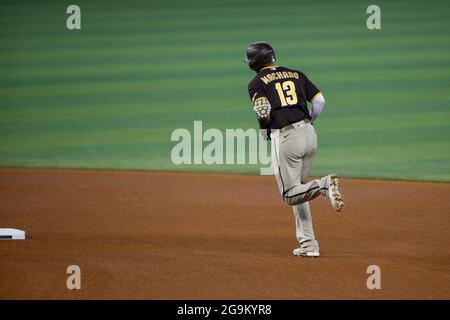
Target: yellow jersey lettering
[(279, 75), (265, 79)]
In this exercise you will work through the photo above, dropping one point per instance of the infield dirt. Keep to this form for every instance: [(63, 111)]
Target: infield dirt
[(141, 235)]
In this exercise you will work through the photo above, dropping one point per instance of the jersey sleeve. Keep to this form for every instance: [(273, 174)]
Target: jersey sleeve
[(255, 91), (311, 89)]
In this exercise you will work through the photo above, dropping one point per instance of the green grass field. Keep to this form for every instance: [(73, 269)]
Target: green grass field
[(110, 95)]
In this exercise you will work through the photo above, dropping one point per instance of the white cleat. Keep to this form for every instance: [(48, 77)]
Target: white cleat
[(301, 252), (336, 199)]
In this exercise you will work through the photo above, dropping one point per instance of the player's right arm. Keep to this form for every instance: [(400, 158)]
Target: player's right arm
[(317, 104), (315, 97)]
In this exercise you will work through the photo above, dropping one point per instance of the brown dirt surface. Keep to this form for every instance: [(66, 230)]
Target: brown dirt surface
[(138, 235)]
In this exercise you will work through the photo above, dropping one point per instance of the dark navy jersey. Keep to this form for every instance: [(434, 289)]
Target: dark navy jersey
[(287, 91)]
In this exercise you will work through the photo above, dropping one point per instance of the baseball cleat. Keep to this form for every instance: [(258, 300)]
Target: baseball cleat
[(301, 252), (336, 199)]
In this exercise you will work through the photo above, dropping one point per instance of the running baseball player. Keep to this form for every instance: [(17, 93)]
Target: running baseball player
[(279, 96)]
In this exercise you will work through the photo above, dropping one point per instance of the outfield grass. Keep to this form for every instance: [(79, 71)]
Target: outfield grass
[(110, 95)]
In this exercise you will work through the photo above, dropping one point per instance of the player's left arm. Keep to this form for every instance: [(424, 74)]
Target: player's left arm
[(262, 107), (316, 98)]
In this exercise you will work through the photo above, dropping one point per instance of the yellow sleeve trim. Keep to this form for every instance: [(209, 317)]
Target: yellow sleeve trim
[(315, 96), (259, 99)]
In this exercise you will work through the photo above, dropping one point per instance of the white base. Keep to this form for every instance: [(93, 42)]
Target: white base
[(12, 234)]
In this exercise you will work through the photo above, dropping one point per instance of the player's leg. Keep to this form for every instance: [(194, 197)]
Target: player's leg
[(289, 150), (303, 218), (286, 165), (304, 231), (292, 168), (294, 149), (301, 193)]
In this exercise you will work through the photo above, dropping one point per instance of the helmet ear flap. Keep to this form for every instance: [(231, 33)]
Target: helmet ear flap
[(274, 58)]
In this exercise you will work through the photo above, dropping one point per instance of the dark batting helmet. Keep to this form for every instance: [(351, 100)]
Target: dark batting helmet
[(259, 55)]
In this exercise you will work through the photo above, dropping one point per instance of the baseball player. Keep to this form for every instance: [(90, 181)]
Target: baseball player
[(279, 96)]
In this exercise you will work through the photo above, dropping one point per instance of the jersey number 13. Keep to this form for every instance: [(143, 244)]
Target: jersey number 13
[(286, 91)]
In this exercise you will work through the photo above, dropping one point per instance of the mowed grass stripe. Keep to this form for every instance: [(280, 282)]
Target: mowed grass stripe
[(352, 61), (165, 85), (29, 112), (340, 104), (439, 70), (118, 117), (93, 38), (309, 56), (167, 52), (97, 131)]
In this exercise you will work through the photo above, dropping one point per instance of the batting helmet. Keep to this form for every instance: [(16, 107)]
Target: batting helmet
[(259, 55)]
